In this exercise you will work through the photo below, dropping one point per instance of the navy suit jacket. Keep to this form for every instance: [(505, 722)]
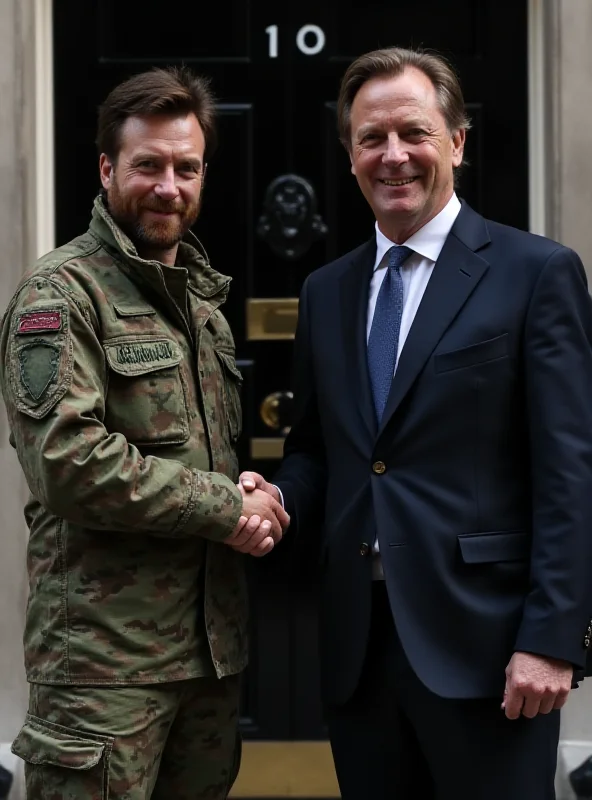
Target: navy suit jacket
[(484, 511)]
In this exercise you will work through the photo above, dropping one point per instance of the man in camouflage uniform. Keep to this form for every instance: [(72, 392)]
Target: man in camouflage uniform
[(119, 378)]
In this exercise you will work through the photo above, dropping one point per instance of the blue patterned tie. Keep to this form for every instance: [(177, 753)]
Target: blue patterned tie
[(383, 341)]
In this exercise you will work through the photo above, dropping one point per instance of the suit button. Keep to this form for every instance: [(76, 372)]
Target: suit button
[(379, 467), (364, 549)]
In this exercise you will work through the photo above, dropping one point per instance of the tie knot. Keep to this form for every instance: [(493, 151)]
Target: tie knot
[(397, 255)]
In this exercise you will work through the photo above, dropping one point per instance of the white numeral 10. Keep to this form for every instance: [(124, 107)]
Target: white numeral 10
[(272, 32), (306, 30)]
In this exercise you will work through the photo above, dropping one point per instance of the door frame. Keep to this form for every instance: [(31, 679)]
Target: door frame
[(44, 180), (539, 93)]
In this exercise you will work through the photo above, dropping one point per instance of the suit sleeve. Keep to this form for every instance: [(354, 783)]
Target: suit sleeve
[(558, 370), (302, 477)]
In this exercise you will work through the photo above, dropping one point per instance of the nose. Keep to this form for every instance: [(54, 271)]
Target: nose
[(395, 153), (166, 188)]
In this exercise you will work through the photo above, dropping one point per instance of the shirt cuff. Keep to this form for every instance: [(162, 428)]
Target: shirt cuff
[(279, 491)]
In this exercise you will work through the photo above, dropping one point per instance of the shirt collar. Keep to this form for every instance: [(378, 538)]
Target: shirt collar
[(427, 241)]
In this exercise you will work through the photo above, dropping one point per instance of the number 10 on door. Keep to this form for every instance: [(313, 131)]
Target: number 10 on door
[(310, 40)]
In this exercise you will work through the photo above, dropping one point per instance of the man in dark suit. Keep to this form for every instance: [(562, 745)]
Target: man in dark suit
[(443, 428)]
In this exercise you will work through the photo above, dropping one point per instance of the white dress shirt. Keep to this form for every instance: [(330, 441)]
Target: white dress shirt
[(416, 271)]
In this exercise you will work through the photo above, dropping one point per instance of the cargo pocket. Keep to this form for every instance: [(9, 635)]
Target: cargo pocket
[(63, 762), (233, 381)]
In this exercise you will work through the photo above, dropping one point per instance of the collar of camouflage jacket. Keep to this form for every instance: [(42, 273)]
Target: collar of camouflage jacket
[(191, 258)]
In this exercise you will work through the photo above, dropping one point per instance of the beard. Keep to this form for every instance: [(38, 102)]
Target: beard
[(156, 234)]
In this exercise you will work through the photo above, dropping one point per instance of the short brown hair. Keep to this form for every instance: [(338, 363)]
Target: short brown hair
[(390, 62), (170, 91)]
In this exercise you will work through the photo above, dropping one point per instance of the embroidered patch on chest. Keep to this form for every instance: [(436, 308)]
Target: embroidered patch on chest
[(40, 322), (144, 353)]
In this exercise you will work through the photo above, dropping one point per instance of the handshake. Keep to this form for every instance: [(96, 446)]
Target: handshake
[(263, 520)]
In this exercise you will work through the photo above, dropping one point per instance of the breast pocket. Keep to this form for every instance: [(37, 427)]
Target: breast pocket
[(233, 380), (473, 355), (146, 396)]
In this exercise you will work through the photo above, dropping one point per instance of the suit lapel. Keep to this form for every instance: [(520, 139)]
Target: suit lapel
[(456, 274), (354, 287)]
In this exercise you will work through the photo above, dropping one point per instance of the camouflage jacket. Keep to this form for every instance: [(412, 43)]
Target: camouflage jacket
[(122, 395)]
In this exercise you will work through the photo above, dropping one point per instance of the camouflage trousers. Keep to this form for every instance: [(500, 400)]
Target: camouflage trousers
[(176, 740)]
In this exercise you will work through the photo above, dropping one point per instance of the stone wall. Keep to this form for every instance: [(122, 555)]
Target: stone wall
[(569, 80), (16, 176), (569, 205)]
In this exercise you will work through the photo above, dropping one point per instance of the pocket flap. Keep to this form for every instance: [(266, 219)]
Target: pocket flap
[(229, 362), (123, 309), (138, 357), (474, 354), (480, 548), (41, 742)]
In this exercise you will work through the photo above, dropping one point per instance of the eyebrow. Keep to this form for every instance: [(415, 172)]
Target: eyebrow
[(362, 130), (410, 122), (152, 156)]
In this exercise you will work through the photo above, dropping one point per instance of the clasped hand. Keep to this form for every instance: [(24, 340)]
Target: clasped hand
[(263, 521)]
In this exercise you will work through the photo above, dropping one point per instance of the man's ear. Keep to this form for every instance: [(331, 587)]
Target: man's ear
[(351, 161), (106, 170), (458, 147)]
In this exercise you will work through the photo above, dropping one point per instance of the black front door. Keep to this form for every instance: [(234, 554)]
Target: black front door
[(280, 201)]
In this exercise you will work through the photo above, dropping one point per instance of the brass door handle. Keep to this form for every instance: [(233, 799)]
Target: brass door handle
[(276, 411)]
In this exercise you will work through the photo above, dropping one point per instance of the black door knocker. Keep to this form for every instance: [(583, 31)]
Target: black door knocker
[(290, 223)]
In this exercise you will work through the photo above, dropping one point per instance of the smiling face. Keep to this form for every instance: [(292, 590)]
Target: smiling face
[(402, 152), (154, 187)]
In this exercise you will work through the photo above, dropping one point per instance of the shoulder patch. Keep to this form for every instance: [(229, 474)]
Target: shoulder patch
[(38, 363), (39, 322)]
